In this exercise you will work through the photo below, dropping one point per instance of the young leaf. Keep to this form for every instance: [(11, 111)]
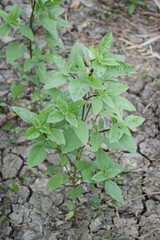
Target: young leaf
[(4, 30), (77, 89), (27, 32), (74, 193), (114, 191), (82, 132), (133, 121), (64, 160), (102, 160), (80, 165), (4, 15), (116, 88), (72, 141), (57, 136), (32, 133), (99, 177), (55, 80), (71, 118), (14, 13), (28, 65), (115, 133), (123, 104), (50, 25), (128, 143), (25, 114), (62, 104), (55, 116), (61, 64), (69, 215), (37, 155), (97, 105), (14, 51), (56, 181), (17, 91), (96, 141), (87, 175), (51, 169), (108, 101), (106, 43), (114, 170)]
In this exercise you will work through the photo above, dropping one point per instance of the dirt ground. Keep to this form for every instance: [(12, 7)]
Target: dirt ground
[(34, 214)]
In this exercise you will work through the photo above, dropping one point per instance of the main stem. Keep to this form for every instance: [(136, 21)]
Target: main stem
[(31, 27)]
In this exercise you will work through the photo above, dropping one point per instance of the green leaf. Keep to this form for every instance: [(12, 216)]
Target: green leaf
[(61, 64), (115, 133), (69, 215), (108, 101), (51, 169), (87, 175), (27, 32), (71, 118), (110, 62), (37, 155), (55, 116), (28, 65), (63, 23), (50, 25), (25, 114), (114, 191), (120, 70), (97, 105), (14, 13), (123, 104), (96, 141), (4, 15), (133, 121), (132, 8), (55, 80), (62, 104), (82, 132), (74, 193), (32, 133), (64, 160), (57, 136), (75, 53), (101, 123), (106, 43), (116, 88), (56, 181), (102, 160), (128, 143), (72, 141), (14, 51), (4, 30), (99, 177), (77, 89), (80, 165), (114, 170), (17, 91)]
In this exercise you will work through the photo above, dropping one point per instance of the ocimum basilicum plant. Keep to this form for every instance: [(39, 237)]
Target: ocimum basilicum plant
[(85, 114), (34, 39)]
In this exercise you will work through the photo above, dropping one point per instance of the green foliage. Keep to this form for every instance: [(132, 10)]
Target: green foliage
[(83, 95), (134, 4), (25, 53)]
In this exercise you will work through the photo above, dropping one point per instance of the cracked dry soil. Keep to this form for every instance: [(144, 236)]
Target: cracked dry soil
[(34, 214)]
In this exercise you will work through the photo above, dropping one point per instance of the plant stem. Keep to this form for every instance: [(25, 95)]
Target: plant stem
[(31, 27), (104, 130), (88, 110)]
